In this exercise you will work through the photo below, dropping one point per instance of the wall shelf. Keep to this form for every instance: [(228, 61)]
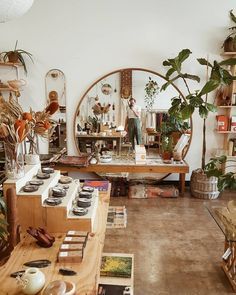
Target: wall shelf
[(228, 53), (10, 64), (226, 132), (226, 107)]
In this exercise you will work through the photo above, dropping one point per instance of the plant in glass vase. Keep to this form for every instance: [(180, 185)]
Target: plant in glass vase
[(13, 131), (41, 125), (151, 89)]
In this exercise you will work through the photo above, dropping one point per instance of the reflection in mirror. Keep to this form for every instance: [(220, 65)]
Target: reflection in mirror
[(104, 108), (55, 87)]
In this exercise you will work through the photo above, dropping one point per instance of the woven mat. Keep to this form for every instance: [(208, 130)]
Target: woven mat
[(145, 191)]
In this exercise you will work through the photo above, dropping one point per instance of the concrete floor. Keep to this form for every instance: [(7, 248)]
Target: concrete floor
[(177, 246)]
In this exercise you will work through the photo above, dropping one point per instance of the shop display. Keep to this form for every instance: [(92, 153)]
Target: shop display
[(43, 175), (116, 266), (53, 201), (47, 170), (30, 188), (36, 182), (67, 272), (40, 263), (83, 202), (79, 211), (58, 192), (32, 281), (85, 194)]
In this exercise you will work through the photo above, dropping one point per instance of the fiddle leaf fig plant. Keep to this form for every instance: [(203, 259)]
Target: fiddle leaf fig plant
[(196, 99)]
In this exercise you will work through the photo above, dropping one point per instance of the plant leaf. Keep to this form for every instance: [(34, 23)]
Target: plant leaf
[(203, 111), (183, 55), (170, 72), (204, 62), (187, 111), (192, 77), (228, 62), (211, 107), (209, 86), (233, 17)]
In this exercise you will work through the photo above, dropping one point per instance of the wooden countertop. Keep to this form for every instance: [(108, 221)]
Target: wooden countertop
[(87, 272)]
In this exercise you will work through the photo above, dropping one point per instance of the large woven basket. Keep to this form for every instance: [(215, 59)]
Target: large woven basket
[(203, 187)]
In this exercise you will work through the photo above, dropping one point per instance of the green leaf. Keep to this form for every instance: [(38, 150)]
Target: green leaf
[(209, 86), (170, 72), (211, 107), (183, 55), (228, 62), (165, 85), (192, 77), (166, 63), (203, 111), (204, 62), (233, 17), (187, 111), (196, 101)]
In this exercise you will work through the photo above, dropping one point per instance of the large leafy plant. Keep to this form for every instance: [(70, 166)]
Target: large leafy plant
[(216, 166), (196, 99)]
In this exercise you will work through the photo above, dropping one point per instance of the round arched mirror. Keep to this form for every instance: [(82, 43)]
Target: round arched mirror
[(103, 108)]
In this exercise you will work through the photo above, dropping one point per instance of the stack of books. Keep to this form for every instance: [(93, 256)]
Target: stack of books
[(116, 274), (117, 217)]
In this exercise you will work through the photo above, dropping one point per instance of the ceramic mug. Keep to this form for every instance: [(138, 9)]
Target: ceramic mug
[(16, 83)]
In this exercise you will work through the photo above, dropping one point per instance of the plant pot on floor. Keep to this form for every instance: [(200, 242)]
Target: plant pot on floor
[(203, 187)]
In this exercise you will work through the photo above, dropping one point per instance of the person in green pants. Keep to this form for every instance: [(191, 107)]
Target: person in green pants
[(133, 122)]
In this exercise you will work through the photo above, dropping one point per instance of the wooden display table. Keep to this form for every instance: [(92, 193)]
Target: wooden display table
[(118, 166), (87, 276)]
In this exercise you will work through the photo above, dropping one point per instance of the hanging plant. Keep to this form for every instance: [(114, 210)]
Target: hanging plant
[(151, 89)]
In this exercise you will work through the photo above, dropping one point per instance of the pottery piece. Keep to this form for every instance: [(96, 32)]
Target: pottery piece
[(32, 281), (48, 170), (79, 211), (38, 263), (89, 189), (43, 175), (32, 159), (16, 84), (85, 194)]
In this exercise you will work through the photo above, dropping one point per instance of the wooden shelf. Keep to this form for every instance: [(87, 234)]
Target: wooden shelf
[(226, 107), (228, 53), (8, 89), (10, 64), (226, 132)]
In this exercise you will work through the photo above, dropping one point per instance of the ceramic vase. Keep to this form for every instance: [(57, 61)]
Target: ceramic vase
[(32, 281), (14, 157)]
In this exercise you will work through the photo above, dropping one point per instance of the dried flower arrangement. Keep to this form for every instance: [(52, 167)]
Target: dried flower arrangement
[(98, 109), (17, 125)]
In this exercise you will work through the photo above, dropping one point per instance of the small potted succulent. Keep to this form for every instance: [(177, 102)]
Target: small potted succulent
[(16, 56), (229, 44)]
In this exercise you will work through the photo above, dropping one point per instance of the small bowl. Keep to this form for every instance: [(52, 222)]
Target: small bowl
[(83, 202), (48, 170), (85, 194), (89, 189), (79, 211), (43, 175), (28, 188)]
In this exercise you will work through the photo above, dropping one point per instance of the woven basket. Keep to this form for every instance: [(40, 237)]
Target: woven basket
[(203, 187)]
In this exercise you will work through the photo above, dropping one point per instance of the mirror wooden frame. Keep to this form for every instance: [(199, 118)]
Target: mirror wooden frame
[(117, 71)]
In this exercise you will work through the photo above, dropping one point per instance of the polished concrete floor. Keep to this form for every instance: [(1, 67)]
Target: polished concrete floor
[(177, 246)]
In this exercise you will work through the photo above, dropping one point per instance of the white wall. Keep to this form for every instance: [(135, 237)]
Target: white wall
[(87, 39)]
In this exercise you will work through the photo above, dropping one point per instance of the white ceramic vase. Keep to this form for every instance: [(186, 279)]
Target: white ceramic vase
[(32, 281), (32, 159)]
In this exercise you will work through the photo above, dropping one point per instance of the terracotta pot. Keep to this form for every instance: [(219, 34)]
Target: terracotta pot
[(166, 155), (13, 56)]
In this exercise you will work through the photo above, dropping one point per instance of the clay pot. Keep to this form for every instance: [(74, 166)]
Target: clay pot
[(13, 56), (166, 155)]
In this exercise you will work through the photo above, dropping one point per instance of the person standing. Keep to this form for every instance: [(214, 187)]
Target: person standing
[(133, 125)]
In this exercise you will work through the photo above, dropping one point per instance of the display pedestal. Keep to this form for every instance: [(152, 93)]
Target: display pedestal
[(34, 212)]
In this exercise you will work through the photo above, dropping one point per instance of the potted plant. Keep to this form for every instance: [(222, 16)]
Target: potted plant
[(16, 55), (196, 99), (151, 89), (229, 44)]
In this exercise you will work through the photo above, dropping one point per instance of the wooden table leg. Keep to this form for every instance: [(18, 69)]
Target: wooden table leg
[(182, 183)]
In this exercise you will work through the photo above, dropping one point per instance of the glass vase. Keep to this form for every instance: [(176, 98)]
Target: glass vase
[(14, 160)]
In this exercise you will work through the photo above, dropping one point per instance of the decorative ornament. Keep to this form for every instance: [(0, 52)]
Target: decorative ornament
[(151, 89), (11, 9), (106, 89)]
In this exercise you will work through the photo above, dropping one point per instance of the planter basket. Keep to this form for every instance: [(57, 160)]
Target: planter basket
[(203, 187)]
